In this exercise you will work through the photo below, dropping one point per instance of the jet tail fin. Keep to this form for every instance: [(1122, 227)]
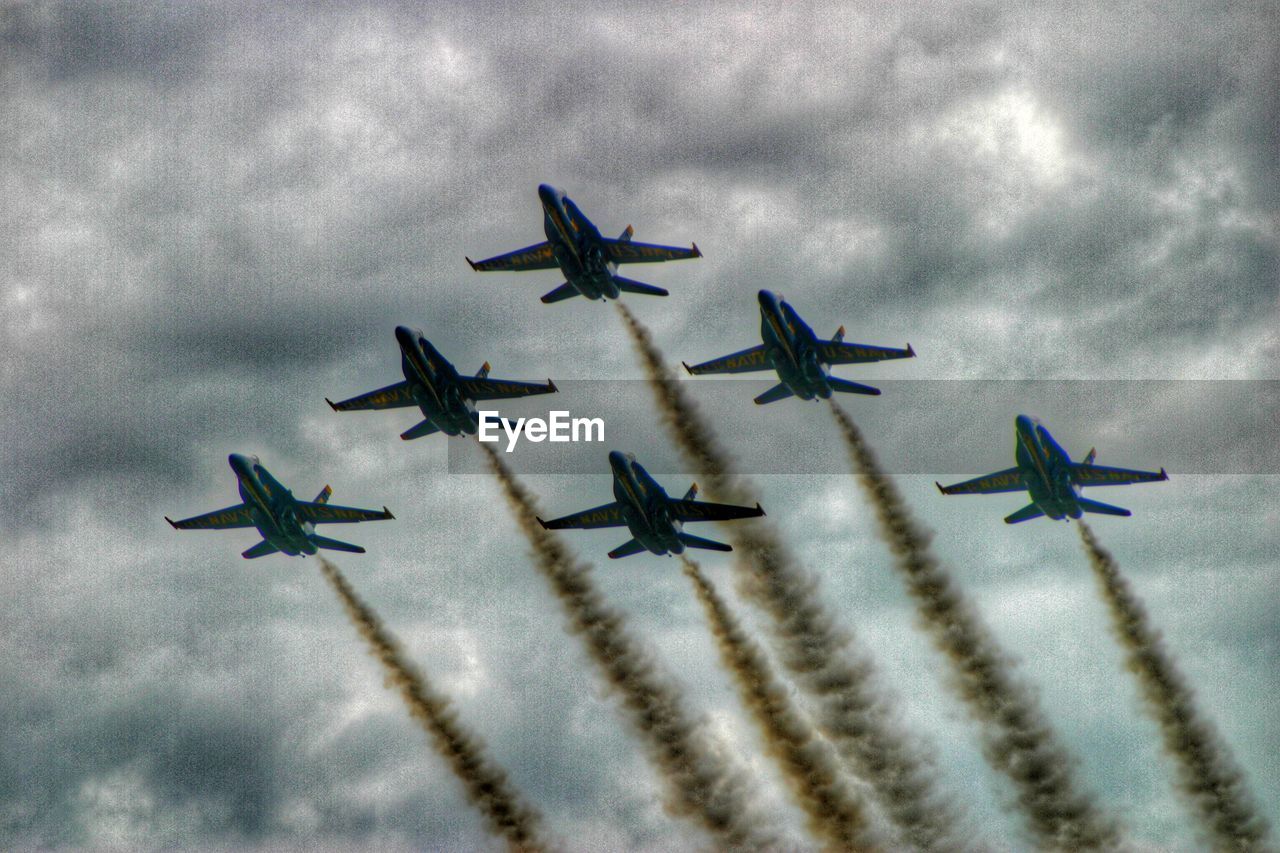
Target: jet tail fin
[(323, 497), (1027, 513), (691, 494), (425, 428), (847, 387), (483, 372), (1092, 455), (336, 544), (561, 293), (1100, 508), (625, 236), (706, 544), (262, 549), (626, 549), (774, 394), (628, 285), (838, 336)]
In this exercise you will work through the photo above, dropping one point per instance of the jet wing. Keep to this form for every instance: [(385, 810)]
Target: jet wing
[(536, 257), (608, 515), (838, 352), (1101, 475), (743, 361), (330, 514), (220, 519), (630, 252), (703, 511), (395, 396), (1008, 480), (500, 389)]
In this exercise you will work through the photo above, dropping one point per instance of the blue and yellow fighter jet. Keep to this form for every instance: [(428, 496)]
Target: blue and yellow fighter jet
[(588, 260), (792, 349), (1046, 471), (287, 525), (652, 516), (433, 385)]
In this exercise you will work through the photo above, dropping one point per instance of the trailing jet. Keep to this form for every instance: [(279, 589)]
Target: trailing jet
[(1046, 471), (654, 518), (588, 260), (433, 385), (287, 525), (801, 360)]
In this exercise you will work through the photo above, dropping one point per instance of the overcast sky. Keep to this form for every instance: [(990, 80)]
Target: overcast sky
[(212, 217)]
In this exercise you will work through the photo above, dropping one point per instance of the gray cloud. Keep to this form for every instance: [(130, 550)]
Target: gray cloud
[(214, 216)]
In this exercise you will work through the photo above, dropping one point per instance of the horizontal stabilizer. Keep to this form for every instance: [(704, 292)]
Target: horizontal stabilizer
[(774, 394), (427, 427), (847, 387), (561, 293), (262, 549), (1027, 513), (627, 285), (336, 545), (706, 544), (626, 549), (1100, 508)]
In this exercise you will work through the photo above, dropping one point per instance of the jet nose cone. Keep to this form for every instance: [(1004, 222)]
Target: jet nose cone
[(548, 193), (1024, 422), (617, 457), (767, 298), (242, 463), (404, 334)]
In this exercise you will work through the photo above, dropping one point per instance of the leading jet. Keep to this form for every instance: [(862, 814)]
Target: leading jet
[(287, 525), (798, 356), (588, 260), (1046, 471), (433, 385), (653, 517)]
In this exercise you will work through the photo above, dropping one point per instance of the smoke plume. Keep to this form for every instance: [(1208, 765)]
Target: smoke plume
[(811, 768), (1017, 738), (1207, 774), (485, 784), (702, 780), (853, 711)]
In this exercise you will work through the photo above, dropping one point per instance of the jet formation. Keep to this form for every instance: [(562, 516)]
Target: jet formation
[(798, 356), (287, 525), (654, 518), (433, 384), (588, 260), (1046, 471)]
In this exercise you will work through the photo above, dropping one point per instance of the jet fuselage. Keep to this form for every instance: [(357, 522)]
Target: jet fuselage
[(792, 348), (272, 507), (578, 247), (435, 384), (1046, 470), (644, 506)]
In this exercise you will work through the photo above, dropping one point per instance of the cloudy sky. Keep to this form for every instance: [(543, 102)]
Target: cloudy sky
[(212, 217)]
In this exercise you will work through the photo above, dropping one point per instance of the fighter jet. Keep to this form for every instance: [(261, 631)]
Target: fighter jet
[(287, 525), (433, 385), (588, 260), (1046, 471), (792, 349), (654, 518)]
